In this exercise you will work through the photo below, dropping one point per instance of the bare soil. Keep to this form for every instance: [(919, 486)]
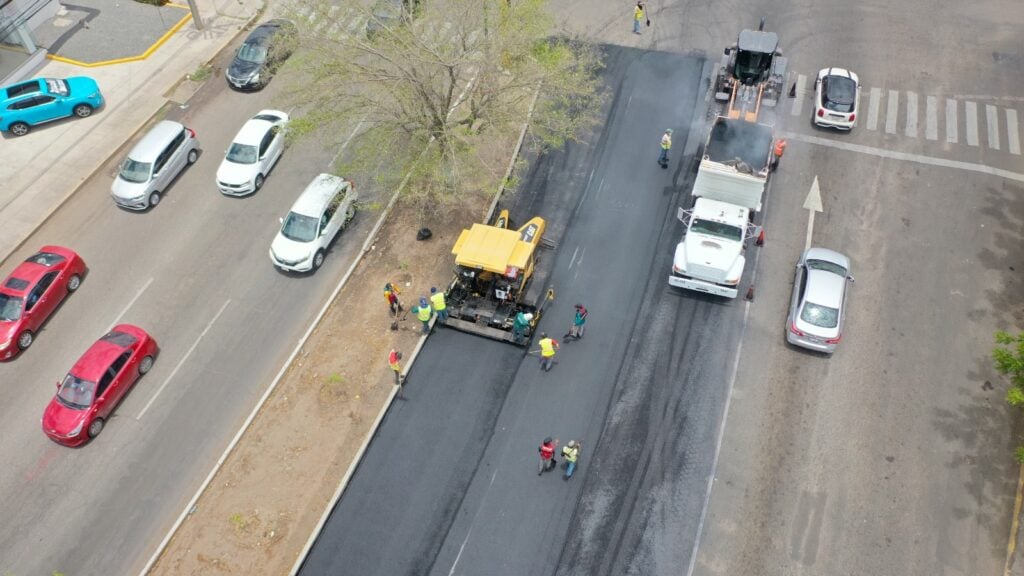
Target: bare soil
[(261, 507)]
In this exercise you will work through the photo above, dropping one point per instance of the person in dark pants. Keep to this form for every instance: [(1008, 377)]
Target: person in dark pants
[(394, 358), (571, 452), (547, 455), (578, 322), (666, 145)]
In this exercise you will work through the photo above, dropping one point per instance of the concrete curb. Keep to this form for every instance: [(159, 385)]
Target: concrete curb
[(419, 346)]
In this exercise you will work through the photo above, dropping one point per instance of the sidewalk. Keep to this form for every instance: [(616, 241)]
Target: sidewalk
[(42, 169)]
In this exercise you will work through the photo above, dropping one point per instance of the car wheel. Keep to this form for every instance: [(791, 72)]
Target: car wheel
[(26, 339), (95, 427), (74, 282), (145, 365), (259, 182), (83, 110), (19, 128), (318, 260), (154, 199), (350, 214), (193, 155)]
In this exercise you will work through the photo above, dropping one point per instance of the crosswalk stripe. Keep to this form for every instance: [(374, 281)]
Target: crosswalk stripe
[(798, 102), (931, 126), (890, 111), (876, 99), (992, 119), (911, 114), (1012, 134), (357, 22), (971, 115), (951, 126)]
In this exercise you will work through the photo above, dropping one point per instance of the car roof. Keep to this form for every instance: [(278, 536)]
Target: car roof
[(102, 353), (316, 196), (154, 142), (254, 128), (264, 32), (815, 253), (825, 288), (24, 277)]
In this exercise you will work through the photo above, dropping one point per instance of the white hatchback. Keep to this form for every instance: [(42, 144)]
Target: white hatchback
[(836, 95), (252, 154), (325, 207)]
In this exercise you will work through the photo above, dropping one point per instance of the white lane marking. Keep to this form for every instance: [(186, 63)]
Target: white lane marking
[(573, 259), (1012, 131), (911, 115), (992, 119), (125, 309), (931, 121), (890, 111), (876, 100), (345, 144), (951, 124), (971, 116), (892, 155), (798, 102), (469, 532), (182, 361)]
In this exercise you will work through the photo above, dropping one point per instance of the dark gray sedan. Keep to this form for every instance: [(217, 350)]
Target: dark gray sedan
[(264, 50), (818, 306)]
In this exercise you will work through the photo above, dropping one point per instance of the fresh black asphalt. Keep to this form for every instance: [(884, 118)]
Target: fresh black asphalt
[(449, 484)]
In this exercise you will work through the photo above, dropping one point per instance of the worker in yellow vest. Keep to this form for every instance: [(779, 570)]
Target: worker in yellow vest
[(666, 145), (437, 300), (548, 346), (423, 314)]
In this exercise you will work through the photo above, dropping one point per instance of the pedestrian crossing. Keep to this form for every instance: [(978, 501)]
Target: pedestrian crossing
[(931, 117), (348, 23)]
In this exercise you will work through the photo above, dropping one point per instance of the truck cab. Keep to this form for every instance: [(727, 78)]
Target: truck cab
[(710, 257)]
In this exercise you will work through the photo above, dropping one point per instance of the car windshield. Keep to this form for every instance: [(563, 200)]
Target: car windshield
[(718, 229), (57, 86), (10, 307), (135, 171), (242, 153), (76, 393), (820, 316), (840, 93), (827, 267), (252, 53), (299, 228)]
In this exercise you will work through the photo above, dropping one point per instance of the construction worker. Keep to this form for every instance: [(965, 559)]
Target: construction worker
[(666, 145), (638, 16), (571, 452), (547, 455), (437, 300), (519, 325), (423, 314), (547, 351), (394, 358), (578, 322), (777, 152), (391, 295)]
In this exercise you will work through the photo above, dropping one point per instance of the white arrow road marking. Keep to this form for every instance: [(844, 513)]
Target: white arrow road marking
[(182, 361), (812, 204)]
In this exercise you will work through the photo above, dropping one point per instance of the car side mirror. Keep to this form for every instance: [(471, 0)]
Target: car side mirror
[(58, 384), (281, 220), (850, 278), (727, 50)]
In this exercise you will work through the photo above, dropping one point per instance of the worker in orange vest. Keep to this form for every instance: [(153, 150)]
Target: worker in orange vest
[(777, 152)]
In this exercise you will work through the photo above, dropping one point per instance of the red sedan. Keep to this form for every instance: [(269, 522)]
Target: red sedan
[(32, 292), (96, 383)]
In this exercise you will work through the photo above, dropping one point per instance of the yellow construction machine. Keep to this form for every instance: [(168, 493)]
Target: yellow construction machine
[(498, 275)]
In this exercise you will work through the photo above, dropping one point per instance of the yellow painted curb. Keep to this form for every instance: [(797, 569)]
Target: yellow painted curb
[(1011, 546), (149, 51)]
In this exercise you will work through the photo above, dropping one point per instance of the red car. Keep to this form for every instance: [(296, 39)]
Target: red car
[(32, 292), (96, 383)]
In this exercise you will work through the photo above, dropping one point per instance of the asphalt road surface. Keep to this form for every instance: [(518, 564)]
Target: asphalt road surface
[(450, 485), (195, 273)]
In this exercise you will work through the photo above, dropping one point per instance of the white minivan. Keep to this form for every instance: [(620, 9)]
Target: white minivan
[(322, 210), (153, 164)]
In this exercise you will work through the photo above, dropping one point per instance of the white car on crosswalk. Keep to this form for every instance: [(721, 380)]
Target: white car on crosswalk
[(252, 154), (836, 93)]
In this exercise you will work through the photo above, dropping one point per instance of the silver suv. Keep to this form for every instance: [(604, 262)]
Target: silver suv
[(153, 164)]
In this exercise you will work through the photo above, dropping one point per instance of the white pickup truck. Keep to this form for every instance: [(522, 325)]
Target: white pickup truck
[(727, 192)]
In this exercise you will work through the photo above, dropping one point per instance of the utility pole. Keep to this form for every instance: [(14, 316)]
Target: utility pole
[(195, 14)]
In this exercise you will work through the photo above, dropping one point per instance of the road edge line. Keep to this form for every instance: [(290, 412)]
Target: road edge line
[(1011, 545), (419, 346)]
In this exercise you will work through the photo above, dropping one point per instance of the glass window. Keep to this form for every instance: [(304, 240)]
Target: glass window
[(23, 88), (253, 53), (135, 171), (76, 393), (45, 259), (10, 307), (120, 339), (57, 86), (821, 316), (299, 228), (840, 93), (827, 267), (718, 229), (242, 154)]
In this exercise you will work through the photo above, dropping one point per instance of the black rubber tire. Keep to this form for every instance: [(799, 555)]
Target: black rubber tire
[(74, 282), (25, 339), (18, 128), (318, 260), (154, 199), (258, 183), (146, 365), (83, 110), (193, 155), (95, 427)]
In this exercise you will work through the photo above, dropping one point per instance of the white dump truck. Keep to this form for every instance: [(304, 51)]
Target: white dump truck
[(727, 192)]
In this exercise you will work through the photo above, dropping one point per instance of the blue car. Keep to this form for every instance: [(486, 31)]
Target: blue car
[(45, 99)]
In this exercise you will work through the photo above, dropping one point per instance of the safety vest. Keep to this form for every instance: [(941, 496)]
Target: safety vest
[(780, 147), (547, 451), (393, 361), (638, 13), (423, 313), (570, 454), (666, 142), (437, 299), (547, 347)]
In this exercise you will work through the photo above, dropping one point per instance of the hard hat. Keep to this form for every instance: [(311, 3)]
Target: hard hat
[(547, 440), (578, 305), (543, 334), (668, 131), (433, 289), (572, 444), (528, 316), (423, 302)]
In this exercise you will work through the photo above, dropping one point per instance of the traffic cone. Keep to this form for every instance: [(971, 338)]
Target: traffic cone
[(760, 238), (750, 294)]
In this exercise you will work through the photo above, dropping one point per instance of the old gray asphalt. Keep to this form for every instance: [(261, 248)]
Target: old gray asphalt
[(450, 485)]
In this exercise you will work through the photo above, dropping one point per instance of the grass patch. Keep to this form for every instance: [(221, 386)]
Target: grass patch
[(202, 73)]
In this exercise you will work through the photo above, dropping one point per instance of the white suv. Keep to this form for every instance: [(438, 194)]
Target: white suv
[(322, 210)]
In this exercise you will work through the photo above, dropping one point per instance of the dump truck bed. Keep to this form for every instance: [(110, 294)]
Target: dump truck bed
[(730, 139)]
